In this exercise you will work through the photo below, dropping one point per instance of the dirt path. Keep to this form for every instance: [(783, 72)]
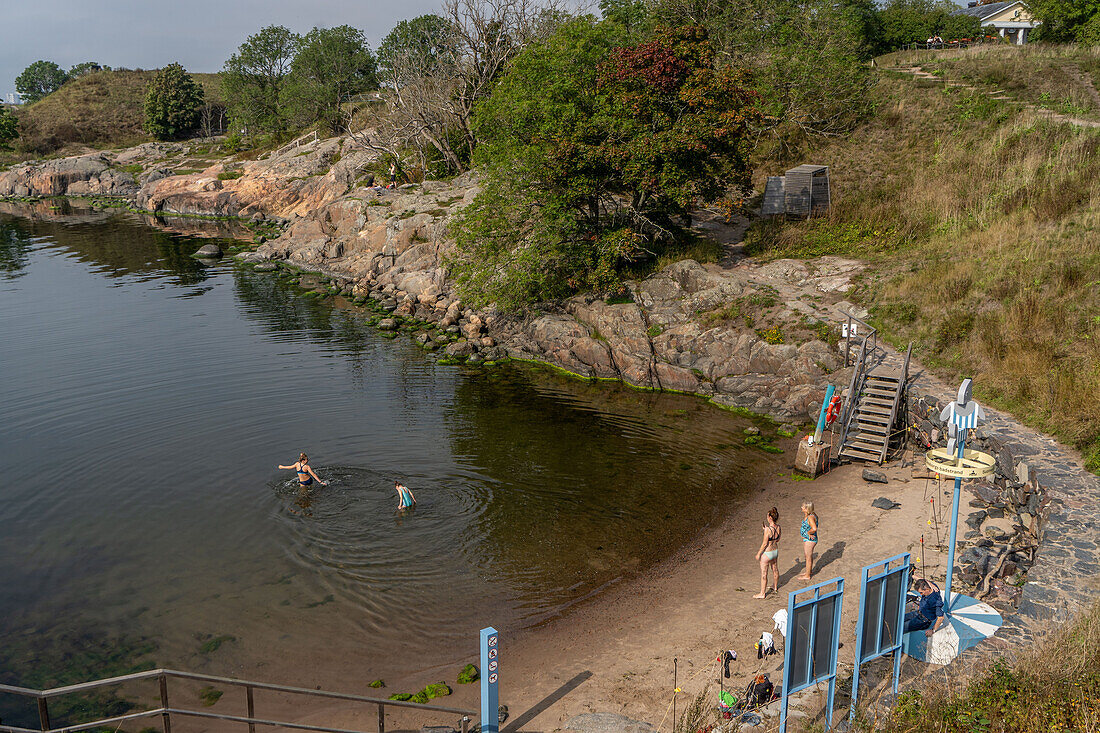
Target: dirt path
[(1083, 81), (919, 73)]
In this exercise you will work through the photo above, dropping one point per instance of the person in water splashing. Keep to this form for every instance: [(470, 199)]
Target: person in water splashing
[(306, 476), (405, 498)]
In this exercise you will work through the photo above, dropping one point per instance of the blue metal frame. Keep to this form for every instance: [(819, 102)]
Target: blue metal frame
[(794, 605), (870, 575), (490, 695)]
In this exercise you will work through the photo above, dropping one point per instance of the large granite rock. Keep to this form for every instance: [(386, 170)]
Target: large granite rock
[(84, 175)]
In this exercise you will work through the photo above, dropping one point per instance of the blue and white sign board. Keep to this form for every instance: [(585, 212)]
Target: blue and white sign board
[(881, 616), (813, 637), (490, 680), (969, 622)]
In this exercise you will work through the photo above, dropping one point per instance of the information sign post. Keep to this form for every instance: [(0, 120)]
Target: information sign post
[(490, 681), (882, 591), (813, 637)]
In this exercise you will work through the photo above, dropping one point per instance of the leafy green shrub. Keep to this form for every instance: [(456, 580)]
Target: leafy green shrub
[(401, 697), (377, 684)]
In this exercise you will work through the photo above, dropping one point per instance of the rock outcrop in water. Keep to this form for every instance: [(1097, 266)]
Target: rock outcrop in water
[(85, 175)]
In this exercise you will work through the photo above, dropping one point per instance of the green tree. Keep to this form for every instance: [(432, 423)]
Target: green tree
[(914, 21), (806, 60), (590, 149), (332, 64), (38, 80), (254, 80), (635, 16), (9, 127), (85, 68), (173, 103), (417, 49), (1065, 21)]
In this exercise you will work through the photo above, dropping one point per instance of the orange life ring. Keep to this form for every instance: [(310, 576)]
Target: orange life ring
[(833, 411)]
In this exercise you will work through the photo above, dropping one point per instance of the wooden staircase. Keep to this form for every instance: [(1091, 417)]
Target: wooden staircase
[(877, 401)]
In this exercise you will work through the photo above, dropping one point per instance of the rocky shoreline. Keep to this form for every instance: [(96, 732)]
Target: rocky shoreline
[(390, 247)]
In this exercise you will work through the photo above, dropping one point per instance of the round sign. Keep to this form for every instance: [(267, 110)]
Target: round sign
[(973, 464), (492, 654), (492, 679), (493, 666), (492, 641)]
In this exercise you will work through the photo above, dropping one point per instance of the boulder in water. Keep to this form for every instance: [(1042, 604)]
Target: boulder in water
[(208, 250)]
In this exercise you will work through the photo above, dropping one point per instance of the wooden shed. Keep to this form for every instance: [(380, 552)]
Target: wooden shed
[(802, 191)]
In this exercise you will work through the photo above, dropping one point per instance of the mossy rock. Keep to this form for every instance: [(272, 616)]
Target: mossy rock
[(210, 695), (388, 334), (378, 684), (753, 440), (439, 689), (212, 645), (446, 360), (401, 697), (420, 698), (784, 433), (771, 448), (469, 674)]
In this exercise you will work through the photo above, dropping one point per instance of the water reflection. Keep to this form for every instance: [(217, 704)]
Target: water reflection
[(15, 244), (116, 243)]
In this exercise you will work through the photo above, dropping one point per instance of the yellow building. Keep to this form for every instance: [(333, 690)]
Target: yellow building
[(1010, 19)]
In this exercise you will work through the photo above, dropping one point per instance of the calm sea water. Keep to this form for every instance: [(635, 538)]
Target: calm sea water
[(147, 399)]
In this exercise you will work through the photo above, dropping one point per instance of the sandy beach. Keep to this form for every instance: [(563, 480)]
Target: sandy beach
[(615, 653)]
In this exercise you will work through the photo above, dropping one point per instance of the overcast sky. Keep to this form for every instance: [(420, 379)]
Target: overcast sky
[(148, 34)]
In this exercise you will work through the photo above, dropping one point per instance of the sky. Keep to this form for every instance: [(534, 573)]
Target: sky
[(149, 34)]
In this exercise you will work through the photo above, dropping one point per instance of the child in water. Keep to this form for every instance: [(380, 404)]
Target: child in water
[(306, 476), (405, 498)]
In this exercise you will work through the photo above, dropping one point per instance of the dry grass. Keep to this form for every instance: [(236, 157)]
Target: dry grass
[(1053, 685), (98, 110), (1055, 77), (983, 222)]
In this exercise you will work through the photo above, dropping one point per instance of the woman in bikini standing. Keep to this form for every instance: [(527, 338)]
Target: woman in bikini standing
[(768, 554), (306, 476)]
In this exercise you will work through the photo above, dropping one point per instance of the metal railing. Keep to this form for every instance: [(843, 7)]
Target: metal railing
[(868, 345), (166, 711), (871, 334)]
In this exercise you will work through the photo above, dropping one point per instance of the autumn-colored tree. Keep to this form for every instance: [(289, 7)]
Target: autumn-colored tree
[(590, 150)]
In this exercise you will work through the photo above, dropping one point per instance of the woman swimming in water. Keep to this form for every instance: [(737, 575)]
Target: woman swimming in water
[(405, 498), (768, 554), (306, 476)]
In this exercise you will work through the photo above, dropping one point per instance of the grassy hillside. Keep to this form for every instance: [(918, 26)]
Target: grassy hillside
[(982, 224), (1060, 78), (103, 109)]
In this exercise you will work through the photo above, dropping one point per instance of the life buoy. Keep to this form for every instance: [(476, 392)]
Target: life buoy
[(833, 411)]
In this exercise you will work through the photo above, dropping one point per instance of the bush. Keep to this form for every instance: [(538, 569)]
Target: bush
[(173, 103)]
